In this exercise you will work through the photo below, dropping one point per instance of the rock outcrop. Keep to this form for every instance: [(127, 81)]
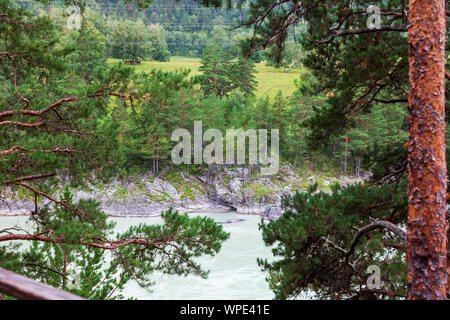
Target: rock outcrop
[(213, 190)]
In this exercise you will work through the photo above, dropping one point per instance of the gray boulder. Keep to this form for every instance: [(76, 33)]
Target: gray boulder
[(272, 213)]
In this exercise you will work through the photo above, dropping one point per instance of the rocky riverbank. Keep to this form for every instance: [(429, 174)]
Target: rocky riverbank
[(215, 189)]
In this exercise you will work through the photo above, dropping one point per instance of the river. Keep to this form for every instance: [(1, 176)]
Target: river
[(234, 273)]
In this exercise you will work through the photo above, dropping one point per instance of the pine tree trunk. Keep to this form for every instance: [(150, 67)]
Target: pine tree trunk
[(300, 156), (358, 166), (181, 107), (427, 182), (346, 154), (82, 67), (157, 161)]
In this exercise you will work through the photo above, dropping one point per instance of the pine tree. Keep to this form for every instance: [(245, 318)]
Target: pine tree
[(154, 114), (221, 75), (243, 76), (89, 50), (427, 252), (215, 66), (54, 129)]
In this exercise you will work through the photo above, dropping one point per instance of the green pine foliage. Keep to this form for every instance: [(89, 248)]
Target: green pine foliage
[(361, 80), (60, 108), (215, 67), (163, 102), (66, 115), (312, 238), (135, 40), (243, 76), (221, 74), (88, 54), (75, 259)]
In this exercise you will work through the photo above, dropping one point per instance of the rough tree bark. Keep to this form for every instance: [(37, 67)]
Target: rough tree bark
[(427, 182)]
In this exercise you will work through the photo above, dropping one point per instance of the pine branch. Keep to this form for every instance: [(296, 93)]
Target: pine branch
[(375, 225), (340, 33), (13, 149)]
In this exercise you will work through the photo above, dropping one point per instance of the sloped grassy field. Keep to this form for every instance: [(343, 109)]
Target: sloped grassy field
[(270, 79)]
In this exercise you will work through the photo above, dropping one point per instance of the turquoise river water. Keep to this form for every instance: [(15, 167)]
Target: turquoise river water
[(234, 273)]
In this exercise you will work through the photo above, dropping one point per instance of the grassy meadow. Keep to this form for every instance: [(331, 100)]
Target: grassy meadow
[(270, 79)]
